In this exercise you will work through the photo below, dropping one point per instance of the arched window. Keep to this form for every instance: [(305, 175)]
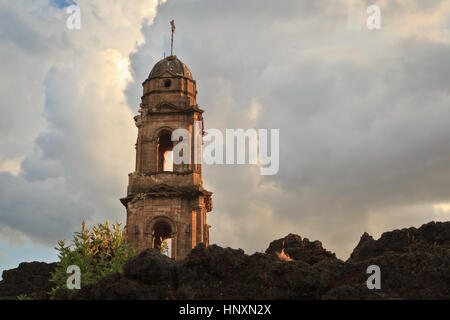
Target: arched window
[(165, 154), (162, 233)]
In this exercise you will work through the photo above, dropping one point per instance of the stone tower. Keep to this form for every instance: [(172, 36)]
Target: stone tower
[(166, 201)]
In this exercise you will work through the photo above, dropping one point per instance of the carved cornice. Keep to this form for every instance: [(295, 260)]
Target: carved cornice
[(164, 108), (151, 173), (164, 190)]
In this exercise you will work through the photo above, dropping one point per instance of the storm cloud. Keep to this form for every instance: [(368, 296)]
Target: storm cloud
[(363, 115)]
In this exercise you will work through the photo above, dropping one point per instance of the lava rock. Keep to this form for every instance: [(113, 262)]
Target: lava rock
[(430, 236), (217, 273), (29, 278), (300, 249), (149, 267), (414, 264)]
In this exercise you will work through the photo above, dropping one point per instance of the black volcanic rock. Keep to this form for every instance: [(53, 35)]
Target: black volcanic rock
[(217, 273), (300, 249), (149, 267), (29, 278), (414, 264), (114, 287), (429, 237)]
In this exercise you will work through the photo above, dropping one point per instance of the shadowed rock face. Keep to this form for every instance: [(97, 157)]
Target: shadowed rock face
[(301, 250), (30, 278), (217, 273), (432, 237), (414, 264)]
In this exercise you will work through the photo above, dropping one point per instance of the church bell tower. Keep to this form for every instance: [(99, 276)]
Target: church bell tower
[(166, 201)]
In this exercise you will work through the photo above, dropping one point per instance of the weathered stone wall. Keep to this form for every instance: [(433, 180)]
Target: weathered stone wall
[(187, 218), (182, 91), (149, 128), (139, 183), (175, 199)]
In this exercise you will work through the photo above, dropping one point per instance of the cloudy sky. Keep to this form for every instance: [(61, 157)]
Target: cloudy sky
[(364, 115)]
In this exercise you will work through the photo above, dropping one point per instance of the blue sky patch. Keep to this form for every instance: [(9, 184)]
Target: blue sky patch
[(62, 3)]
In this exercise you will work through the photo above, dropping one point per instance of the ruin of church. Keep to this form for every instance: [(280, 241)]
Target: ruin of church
[(166, 201)]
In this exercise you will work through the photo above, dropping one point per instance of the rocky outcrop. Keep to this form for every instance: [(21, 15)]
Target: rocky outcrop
[(431, 237), (217, 273), (300, 250), (414, 264), (29, 278)]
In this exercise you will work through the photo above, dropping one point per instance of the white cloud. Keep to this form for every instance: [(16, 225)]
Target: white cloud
[(363, 116), (66, 114)]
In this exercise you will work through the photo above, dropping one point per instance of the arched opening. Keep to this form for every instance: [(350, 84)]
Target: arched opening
[(165, 154), (167, 83), (162, 233)]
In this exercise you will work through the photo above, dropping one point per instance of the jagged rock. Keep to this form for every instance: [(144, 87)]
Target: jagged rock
[(301, 250), (430, 236), (149, 267), (29, 278), (414, 264), (412, 275), (217, 273)]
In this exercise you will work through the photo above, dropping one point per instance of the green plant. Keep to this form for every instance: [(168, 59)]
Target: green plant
[(98, 252), (23, 297)]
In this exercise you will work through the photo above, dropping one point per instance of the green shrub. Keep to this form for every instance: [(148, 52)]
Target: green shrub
[(98, 252), (23, 297)]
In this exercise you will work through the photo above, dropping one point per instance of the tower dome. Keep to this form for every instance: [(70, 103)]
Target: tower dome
[(170, 81), (172, 65)]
